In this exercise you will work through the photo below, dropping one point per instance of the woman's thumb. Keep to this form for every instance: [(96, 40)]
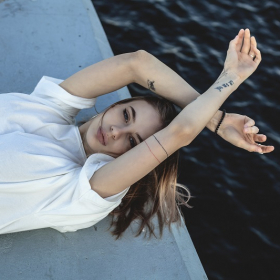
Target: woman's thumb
[(232, 43)]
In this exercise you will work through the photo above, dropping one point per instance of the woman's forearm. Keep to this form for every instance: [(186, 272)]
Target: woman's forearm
[(152, 74), (133, 165), (197, 114)]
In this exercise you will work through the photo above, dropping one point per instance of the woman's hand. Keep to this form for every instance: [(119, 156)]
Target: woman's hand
[(243, 57), (241, 132)]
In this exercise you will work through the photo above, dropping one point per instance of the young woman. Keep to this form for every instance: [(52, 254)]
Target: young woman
[(123, 161)]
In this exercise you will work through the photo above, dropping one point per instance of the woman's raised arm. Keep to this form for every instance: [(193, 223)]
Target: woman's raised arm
[(139, 161), (142, 159), (118, 71), (143, 68)]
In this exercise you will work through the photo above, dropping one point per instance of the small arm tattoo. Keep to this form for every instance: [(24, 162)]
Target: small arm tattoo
[(151, 85), (230, 83)]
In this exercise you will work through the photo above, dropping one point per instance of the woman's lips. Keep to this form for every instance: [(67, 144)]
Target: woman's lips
[(100, 136)]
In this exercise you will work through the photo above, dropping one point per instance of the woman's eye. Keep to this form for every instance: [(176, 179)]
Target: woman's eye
[(125, 115), (132, 142)]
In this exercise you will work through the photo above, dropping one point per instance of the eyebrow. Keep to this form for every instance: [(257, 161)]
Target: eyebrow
[(134, 117)]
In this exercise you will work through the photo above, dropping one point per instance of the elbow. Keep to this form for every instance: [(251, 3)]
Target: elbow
[(99, 191), (183, 134), (187, 136), (139, 58), (141, 55)]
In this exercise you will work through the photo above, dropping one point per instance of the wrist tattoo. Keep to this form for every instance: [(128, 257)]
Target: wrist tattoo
[(151, 85), (230, 83)]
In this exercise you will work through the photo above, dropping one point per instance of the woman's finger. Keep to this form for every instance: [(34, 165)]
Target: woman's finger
[(251, 52), (240, 40), (247, 42), (258, 57), (265, 149), (252, 129), (248, 122), (252, 148), (259, 138), (254, 42)]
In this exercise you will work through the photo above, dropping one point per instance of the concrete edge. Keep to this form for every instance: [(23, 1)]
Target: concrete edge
[(188, 252), (184, 243), (102, 41)]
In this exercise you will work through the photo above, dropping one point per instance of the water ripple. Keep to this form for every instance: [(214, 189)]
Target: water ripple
[(264, 238)]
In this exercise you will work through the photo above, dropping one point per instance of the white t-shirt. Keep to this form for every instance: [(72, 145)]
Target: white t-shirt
[(44, 171)]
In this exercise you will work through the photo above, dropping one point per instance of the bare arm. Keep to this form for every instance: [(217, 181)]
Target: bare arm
[(162, 80), (118, 71), (140, 67), (139, 161), (102, 77)]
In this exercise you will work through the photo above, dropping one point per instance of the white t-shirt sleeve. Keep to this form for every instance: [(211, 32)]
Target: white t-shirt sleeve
[(49, 90), (93, 163), (90, 208)]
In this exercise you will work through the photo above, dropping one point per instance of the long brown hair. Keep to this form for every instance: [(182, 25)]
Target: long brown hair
[(158, 193)]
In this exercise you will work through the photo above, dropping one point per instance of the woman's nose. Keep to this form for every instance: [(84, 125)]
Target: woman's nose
[(117, 132)]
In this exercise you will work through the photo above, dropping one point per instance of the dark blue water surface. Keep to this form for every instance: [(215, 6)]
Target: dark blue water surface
[(234, 224)]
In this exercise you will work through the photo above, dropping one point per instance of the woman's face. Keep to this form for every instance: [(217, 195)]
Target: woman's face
[(123, 127)]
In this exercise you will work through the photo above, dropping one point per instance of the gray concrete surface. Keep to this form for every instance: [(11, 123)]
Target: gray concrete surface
[(58, 38)]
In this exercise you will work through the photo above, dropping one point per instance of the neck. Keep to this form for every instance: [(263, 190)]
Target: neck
[(83, 130)]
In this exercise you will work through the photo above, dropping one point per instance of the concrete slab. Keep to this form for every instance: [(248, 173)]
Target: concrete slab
[(57, 38)]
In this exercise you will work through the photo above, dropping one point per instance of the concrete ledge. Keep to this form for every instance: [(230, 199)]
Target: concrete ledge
[(57, 38)]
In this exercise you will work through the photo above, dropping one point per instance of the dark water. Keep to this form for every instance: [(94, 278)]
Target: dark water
[(234, 224)]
